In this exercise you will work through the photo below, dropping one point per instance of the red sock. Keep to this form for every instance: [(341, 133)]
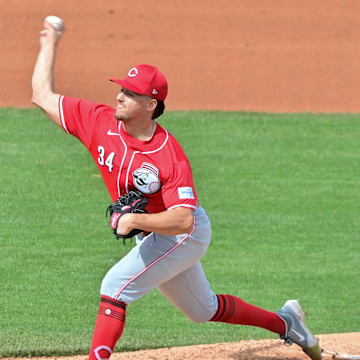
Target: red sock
[(109, 326), (236, 311)]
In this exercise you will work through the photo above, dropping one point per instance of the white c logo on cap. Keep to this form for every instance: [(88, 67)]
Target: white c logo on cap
[(133, 72)]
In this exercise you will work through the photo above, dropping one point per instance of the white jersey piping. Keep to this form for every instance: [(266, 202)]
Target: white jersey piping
[(122, 162), (61, 113), (182, 205), (128, 170)]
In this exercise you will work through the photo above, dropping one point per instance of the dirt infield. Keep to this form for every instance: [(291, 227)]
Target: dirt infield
[(246, 350), (261, 55), (243, 350)]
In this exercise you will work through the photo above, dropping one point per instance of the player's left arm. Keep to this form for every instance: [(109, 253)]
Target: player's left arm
[(179, 220)]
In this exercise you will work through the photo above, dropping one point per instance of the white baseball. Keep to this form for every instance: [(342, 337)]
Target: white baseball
[(56, 22)]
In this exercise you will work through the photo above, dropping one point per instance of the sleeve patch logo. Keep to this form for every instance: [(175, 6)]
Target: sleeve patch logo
[(146, 178), (185, 193)]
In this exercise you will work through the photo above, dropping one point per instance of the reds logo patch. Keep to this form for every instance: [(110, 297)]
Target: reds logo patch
[(146, 178)]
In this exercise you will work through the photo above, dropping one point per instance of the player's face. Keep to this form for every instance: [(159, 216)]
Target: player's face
[(131, 105)]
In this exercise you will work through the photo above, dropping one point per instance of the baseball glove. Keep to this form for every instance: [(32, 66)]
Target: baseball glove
[(132, 202)]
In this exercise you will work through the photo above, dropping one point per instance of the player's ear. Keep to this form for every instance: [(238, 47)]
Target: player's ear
[(152, 104)]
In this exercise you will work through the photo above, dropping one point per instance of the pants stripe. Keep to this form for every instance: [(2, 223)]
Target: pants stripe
[(152, 264)]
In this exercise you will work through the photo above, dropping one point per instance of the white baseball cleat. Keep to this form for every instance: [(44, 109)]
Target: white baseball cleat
[(296, 330)]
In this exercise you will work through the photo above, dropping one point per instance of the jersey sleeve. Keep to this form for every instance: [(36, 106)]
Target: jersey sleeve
[(179, 189), (79, 117)]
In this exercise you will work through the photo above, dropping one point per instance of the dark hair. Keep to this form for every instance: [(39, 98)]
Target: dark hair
[(160, 108)]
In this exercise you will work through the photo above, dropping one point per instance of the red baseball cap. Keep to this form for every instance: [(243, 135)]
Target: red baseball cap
[(146, 80)]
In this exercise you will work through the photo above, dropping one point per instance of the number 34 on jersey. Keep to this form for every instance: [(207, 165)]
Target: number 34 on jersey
[(105, 159)]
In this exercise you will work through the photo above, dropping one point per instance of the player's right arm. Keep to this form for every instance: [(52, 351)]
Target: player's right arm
[(44, 94)]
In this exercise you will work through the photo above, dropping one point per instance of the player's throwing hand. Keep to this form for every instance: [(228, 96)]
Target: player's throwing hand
[(49, 34)]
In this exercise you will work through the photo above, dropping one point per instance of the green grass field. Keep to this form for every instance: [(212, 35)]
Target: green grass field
[(282, 192)]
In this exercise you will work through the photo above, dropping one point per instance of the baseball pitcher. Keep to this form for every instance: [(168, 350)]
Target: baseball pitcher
[(149, 179)]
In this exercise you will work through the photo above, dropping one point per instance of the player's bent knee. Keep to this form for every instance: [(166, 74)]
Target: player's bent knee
[(201, 316), (108, 287), (199, 319), (114, 288), (203, 313)]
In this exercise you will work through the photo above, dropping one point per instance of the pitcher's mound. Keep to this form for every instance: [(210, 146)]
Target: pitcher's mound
[(243, 350), (246, 350)]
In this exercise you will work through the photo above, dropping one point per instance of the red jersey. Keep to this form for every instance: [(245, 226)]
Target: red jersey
[(158, 167)]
